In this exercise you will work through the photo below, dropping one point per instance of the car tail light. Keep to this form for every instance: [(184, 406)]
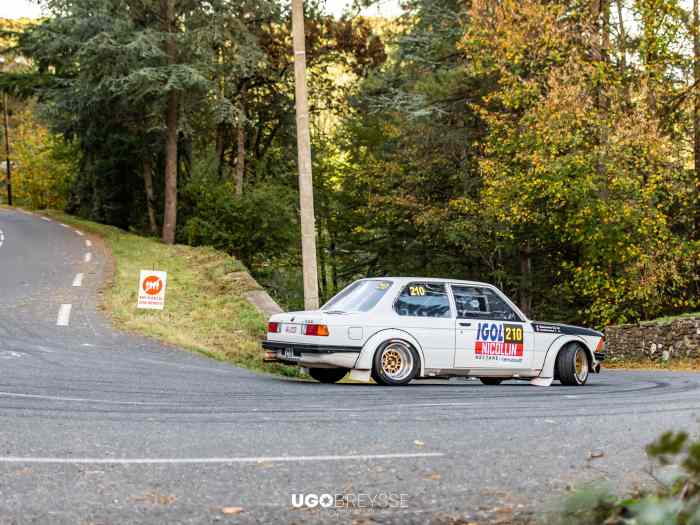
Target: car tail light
[(273, 328), (601, 345), (316, 329)]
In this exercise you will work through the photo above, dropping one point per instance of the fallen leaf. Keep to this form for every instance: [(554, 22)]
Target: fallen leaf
[(418, 443), (154, 498), (593, 454), (231, 510), (434, 477)]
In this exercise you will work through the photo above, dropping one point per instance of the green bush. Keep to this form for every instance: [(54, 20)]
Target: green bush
[(259, 226), (676, 500)]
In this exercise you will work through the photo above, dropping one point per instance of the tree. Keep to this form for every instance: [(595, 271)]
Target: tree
[(546, 174)]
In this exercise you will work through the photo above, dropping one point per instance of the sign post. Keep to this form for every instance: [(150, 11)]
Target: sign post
[(152, 289)]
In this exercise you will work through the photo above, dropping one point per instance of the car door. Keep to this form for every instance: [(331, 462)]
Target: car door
[(488, 332), (424, 312)]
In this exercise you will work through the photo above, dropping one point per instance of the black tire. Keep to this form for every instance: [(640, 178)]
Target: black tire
[(408, 363), (328, 375), (491, 381), (572, 366)]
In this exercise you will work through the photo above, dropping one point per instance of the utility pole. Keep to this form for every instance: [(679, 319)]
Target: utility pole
[(696, 113), (8, 167), (306, 187)]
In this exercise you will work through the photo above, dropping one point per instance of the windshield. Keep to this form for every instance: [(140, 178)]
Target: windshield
[(360, 296)]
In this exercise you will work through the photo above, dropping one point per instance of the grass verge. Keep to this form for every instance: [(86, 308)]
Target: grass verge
[(680, 364), (205, 307), (670, 319)]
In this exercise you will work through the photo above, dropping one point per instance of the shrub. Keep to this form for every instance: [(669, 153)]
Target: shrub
[(257, 227), (676, 500)]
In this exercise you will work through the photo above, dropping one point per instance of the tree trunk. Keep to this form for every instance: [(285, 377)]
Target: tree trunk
[(650, 62), (525, 278), (8, 166), (221, 128), (240, 159), (323, 286), (622, 46), (306, 188), (696, 112), (605, 36), (334, 265), (220, 149), (150, 198), (240, 146), (171, 123)]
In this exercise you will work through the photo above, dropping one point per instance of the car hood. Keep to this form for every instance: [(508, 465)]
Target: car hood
[(565, 329)]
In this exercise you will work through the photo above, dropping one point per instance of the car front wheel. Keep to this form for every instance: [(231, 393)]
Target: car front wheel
[(395, 363), (327, 375), (572, 366)]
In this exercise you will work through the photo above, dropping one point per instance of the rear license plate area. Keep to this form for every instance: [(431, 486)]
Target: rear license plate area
[(291, 329)]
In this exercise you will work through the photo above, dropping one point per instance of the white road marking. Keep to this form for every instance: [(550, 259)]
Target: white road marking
[(2, 237), (65, 225), (9, 354), (64, 315), (88, 243), (78, 281), (88, 257), (181, 366), (172, 404), (186, 461), (87, 400), (79, 232), (46, 219)]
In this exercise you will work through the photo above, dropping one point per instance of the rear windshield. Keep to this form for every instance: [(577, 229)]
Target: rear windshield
[(360, 296)]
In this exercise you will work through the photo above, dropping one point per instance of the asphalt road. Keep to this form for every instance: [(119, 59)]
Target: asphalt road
[(98, 426)]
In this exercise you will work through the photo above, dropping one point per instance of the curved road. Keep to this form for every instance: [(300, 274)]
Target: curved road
[(98, 426)]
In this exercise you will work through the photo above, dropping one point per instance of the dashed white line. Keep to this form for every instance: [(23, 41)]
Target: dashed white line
[(79, 232), (88, 243), (78, 281), (88, 257), (2, 237), (46, 219), (64, 315), (65, 225), (184, 461)]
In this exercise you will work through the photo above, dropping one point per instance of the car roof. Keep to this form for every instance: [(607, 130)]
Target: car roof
[(404, 280)]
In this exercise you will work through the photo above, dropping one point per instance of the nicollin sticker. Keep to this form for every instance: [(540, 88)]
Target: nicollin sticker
[(499, 340)]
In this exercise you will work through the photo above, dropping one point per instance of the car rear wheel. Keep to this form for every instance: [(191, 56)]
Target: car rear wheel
[(491, 381), (328, 375), (572, 366), (395, 363)]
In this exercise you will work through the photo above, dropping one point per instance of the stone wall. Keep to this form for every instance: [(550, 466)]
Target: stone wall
[(654, 340)]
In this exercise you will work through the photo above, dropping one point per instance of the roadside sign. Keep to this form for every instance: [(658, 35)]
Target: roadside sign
[(152, 289)]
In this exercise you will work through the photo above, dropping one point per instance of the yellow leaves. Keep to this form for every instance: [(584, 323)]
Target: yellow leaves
[(40, 176)]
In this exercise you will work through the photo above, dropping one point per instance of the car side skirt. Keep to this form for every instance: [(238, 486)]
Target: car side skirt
[(516, 373)]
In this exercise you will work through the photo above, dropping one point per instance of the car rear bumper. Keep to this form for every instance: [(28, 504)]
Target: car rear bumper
[(310, 355)]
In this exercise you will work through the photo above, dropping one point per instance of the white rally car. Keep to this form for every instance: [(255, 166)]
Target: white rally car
[(395, 329)]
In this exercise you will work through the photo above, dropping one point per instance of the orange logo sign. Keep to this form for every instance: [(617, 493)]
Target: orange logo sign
[(152, 285)]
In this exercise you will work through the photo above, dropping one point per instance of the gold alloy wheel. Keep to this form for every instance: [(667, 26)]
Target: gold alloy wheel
[(397, 361), (581, 366)]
